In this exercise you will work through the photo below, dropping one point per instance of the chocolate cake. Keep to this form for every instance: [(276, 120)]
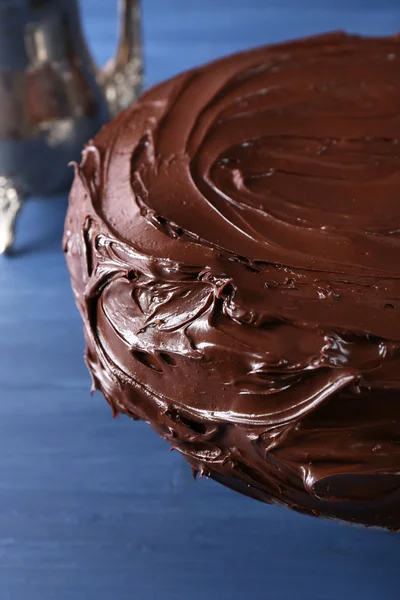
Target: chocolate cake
[(234, 246)]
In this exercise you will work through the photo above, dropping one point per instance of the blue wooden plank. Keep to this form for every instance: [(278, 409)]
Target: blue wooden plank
[(93, 508)]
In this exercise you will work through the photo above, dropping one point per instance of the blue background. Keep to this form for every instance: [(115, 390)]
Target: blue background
[(96, 509)]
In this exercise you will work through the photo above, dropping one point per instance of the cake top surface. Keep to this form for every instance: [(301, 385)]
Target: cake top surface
[(286, 154)]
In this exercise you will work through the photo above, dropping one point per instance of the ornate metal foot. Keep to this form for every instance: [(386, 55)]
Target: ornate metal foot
[(10, 204)]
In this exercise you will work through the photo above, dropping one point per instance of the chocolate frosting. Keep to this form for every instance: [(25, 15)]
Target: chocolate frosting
[(234, 246)]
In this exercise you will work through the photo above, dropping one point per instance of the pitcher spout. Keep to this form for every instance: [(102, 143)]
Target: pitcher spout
[(121, 78)]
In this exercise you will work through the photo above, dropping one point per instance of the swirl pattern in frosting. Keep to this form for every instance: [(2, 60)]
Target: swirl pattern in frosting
[(233, 241)]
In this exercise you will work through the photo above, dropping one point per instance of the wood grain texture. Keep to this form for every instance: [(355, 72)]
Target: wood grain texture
[(96, 509)]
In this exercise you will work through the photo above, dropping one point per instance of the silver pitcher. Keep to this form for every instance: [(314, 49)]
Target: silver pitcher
[(53, 98)]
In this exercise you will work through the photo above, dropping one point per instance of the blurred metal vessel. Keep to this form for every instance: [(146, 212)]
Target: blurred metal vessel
[(53, 98)]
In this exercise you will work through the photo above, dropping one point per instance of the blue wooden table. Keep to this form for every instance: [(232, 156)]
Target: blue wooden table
[(97, 509)]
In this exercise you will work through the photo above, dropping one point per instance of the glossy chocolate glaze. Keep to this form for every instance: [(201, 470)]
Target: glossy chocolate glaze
[(234, 246)]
